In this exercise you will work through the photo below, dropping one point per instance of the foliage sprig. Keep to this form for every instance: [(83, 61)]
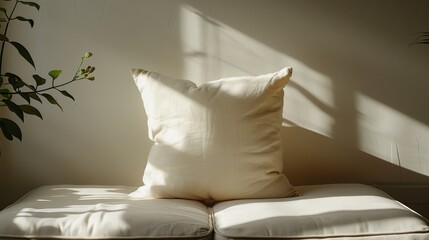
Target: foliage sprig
[(14, 89)]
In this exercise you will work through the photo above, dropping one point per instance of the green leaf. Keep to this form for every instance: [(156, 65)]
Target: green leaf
[(5, 93), (4, 38), (65, 93), (55, 74), (30, 21), (14, 108), (24, 53), (51, 100), (3, 10), (15, 81), (35, 97), (39, 80), (5, 130), (25, 96), (10, 129), (91, 78), (32, 4), (28, 109)]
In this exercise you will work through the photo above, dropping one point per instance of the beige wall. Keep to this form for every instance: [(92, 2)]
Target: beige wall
[(354, 112)]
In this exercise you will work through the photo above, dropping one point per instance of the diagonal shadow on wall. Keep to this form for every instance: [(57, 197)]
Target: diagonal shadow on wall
[(360, 51)]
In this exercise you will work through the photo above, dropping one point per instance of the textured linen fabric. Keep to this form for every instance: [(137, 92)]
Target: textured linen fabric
[(338, 211), (102, 212), (219, 140)]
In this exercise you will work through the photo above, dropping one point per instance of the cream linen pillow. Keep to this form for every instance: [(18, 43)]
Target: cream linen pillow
[(220, 140)]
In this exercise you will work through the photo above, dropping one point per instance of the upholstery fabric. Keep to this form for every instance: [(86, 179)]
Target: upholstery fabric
[(220, 140), (338, 211), (102, 212)]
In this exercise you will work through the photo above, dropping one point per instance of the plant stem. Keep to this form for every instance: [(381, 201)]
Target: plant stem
[(5, 32), (75, 78), (49, 88)]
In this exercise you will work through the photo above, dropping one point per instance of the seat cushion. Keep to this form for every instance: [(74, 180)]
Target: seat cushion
[(340, 211), (102, 212)]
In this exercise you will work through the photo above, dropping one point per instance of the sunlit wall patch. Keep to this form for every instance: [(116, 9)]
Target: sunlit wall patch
[(212, 49), (391, 135)]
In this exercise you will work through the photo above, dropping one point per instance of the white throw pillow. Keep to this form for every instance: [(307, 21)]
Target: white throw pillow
[(220, 140)]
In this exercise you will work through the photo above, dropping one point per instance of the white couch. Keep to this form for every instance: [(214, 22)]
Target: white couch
[(219, 140), (335, 211)]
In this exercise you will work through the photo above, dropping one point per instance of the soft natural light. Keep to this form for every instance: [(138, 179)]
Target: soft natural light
[(214, 50), (80, 210), (96, 193), (299, 208), (391, 135)]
